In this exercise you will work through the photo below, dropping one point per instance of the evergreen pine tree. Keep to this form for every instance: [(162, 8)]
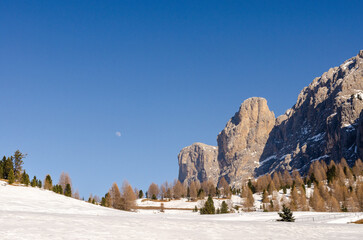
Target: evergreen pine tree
[(68, 190), (103, 201), (286, 215), (34, 182), (141, 194), (195, 209), (48, 184), (224, 207), (39, 184), (331, 173), (11, 177), (8, 165), (18, 164), (25, 178), (251, 186), (2, 162), (208, 207)]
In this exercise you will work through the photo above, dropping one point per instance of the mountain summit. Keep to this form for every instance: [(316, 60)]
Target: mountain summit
[(326, 123)]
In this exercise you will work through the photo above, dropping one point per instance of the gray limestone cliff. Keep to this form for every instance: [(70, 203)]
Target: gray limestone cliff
[(322, 125), (326, 123), (241, 142), (198, 162)]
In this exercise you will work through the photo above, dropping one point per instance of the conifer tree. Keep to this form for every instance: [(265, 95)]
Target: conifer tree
[(195, 209), (317, 202), (48, 182), (208, 207), (141, 194), (39, 184), (303, 202), (11, 177), (294, 205), (251, 186), (333, 204), (90, 198), (276, 180), (331, 173), (108, 200), (287, 179), (25, 178), (193, 190), (2, 162), (224, 207), (18, 164), (358, 167), (57, 189), (103, 202), (34, 182), (115, 196), (249, 201), (8, 165), (286, 215), (68, 190), (128, 197)]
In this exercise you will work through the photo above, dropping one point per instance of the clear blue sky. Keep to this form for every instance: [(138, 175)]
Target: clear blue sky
[(164, 74)]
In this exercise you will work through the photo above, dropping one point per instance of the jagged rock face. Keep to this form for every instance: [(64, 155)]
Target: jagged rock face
[(198, 162), (242, 141), (323, 123), (326, 123)]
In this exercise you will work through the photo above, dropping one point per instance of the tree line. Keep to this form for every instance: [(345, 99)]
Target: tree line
[(326, 187), (334, 187), (11, 169)]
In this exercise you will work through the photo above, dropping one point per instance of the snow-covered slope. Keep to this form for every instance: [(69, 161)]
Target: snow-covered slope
[(31, 213)]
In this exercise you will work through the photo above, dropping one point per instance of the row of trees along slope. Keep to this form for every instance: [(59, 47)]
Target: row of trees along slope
[(11, 170)]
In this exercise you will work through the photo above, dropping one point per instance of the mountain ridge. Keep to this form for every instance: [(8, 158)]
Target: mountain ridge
[(325, 123)]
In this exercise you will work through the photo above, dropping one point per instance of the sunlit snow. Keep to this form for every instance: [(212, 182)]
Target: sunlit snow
[(32, 213)]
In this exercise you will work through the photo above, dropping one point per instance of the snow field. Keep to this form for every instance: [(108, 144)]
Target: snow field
[(32, 213)]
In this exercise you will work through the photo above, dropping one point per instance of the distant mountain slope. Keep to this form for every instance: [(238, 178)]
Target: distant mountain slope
[(324, 124)]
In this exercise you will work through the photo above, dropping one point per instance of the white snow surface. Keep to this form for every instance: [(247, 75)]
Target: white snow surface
[(32, 213)]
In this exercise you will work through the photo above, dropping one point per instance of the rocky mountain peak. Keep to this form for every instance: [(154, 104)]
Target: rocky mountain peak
[(326, 123), (198, 162), (241, 142)]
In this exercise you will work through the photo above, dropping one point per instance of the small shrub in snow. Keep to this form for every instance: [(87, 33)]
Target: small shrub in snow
[(286, 215)]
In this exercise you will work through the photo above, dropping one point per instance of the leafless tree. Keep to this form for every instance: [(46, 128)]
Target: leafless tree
[(178, 190), (76, 194), (64, 179), (115, 196), (153, 190), (128, 197)]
